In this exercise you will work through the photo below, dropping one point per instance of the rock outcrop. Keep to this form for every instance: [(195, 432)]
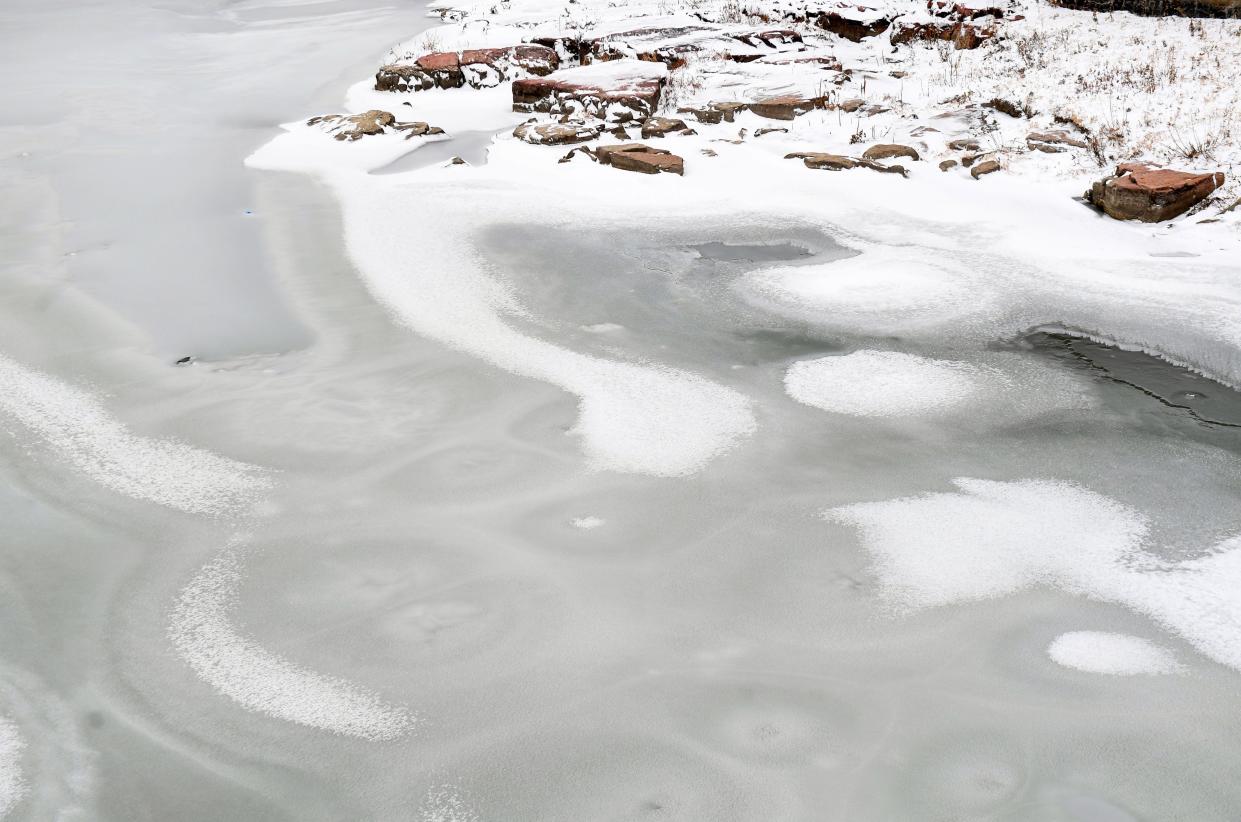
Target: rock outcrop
[(619, 90), (840, 162), (476, 68), (674, 45), (640, 158), (1160, 8), (1138, 192), (854, 24), (557, 134), (1053, 142), (964, 25), (356, 126)]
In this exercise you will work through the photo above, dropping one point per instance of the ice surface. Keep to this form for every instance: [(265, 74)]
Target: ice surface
[(79, 430), (1101, 652), (715, 650), (12, 783), (989, 539), (634, 417), (444, 803), (204, 635)]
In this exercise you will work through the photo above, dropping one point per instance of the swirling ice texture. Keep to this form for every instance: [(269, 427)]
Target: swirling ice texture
[(12, 783), (991, 538), (639, 418), (412, 246), (234, 665), (75, 426)]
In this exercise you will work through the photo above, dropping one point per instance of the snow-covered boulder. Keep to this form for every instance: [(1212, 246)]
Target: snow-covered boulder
[(854, 23), (356, 126), (663, 126), (619, 90), (557, 134), (786, 107), (476, 68)]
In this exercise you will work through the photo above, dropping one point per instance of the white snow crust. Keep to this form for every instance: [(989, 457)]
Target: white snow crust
[(205, 637), (12, 783), (882, 384), (989, 539), (1101, 652), (78, 429)]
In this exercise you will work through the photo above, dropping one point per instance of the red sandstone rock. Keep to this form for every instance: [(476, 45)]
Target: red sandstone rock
[(854, 24), (477, 68), (786, 108), (620, 90), (640, 158), (1139, 192)]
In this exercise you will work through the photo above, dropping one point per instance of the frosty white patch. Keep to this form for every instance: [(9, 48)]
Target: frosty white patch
[(994, 538), (236, 666), (1106, 653), (74, 425), (881, 384), (12, 783)]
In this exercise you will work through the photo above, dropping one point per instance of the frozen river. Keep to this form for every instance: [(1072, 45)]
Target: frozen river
[(513, 514)]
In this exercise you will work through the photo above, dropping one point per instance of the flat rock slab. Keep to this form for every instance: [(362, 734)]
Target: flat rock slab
[(1139, 192), (786, 108), (353, 127), (840, 162), (642, 158), (557, 134)]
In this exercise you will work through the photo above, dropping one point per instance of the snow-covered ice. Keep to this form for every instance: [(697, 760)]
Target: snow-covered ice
[(881, 384), (1101, 652), (76, 427), (989, 539)]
